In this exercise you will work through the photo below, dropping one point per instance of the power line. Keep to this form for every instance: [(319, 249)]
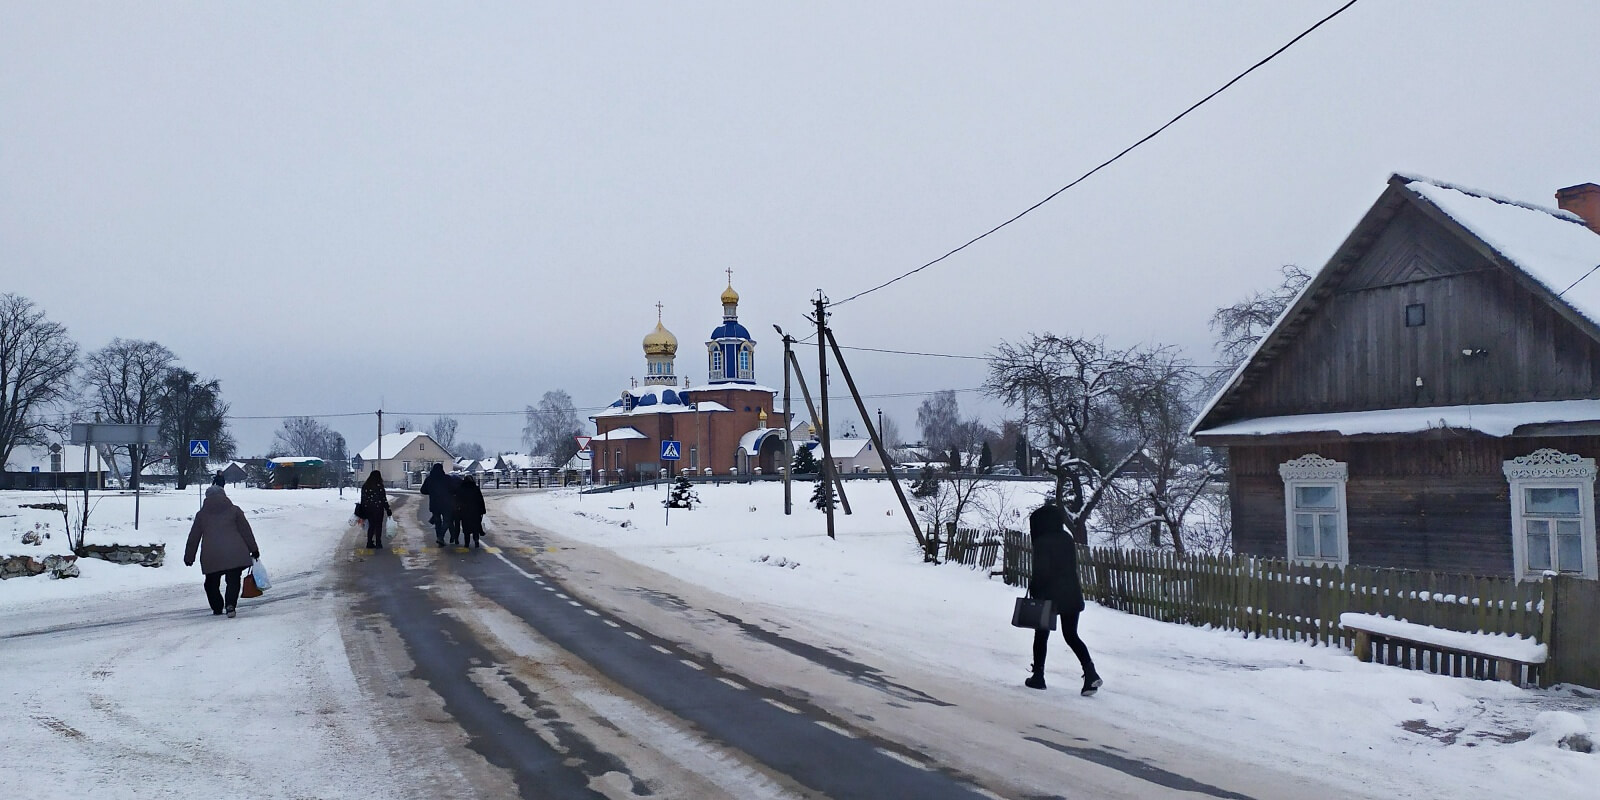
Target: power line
[(1108, 162)]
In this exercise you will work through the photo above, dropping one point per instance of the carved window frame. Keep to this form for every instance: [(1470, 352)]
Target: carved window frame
[(1314, 470), (1548, 468)]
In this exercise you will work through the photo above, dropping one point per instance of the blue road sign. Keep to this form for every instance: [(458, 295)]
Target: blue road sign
[(199, 448), (670, 449), (34, 469)]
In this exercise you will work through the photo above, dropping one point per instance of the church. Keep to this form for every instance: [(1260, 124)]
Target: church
[(728, 425)]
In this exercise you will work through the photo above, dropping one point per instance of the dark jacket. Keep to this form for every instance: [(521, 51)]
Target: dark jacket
[(374, 498), (221, 534), (469, 501), (441, 491), (1055, 559)]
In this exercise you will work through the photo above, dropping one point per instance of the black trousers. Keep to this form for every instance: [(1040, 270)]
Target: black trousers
[(375, 529), (214, 594), (1069, 631)]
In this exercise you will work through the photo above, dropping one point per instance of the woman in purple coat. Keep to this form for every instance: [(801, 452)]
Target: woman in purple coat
[(226, 544)]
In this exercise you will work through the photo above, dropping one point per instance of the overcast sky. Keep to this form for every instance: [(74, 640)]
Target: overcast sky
[(450, 207)]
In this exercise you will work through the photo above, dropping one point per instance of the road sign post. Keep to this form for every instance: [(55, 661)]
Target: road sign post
[(201, 449), (671, 451), (89, 434)]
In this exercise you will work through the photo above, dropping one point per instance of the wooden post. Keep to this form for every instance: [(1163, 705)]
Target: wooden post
[(788, 423), (805, 391), (876, 437)]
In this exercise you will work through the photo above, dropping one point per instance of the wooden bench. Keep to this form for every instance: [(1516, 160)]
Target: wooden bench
[(1444, 652)]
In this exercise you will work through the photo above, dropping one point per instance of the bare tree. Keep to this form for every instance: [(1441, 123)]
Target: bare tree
[(308, 436), (127, 381), (193, 409), (551, 427), (890, 433), (403, 424), (938, 417), (471, 450), (942, 510), (1073, 393), (443, 431), (1240, 326), (37, 359)]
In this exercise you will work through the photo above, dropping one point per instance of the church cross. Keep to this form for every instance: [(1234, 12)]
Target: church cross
[(658, 311), (730, 277)]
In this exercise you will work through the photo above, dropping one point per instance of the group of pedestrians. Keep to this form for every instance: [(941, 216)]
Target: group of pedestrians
[(456, 506)]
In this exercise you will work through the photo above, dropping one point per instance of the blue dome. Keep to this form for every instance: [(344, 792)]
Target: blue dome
[(730, 330)]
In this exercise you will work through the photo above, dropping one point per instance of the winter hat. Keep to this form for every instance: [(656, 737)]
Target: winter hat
[(216, 489)]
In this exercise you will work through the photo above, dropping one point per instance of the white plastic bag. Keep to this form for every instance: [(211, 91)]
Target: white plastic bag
[(259, 571)]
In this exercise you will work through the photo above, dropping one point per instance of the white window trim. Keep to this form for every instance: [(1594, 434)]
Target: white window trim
[(1548, 468), (1314, 470)]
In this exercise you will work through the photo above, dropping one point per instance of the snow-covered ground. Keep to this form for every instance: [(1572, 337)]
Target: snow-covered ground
[(1312, 710), (124, 672), (121, 683)]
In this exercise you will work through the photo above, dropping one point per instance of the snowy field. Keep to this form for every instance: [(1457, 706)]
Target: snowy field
[(122, 678), (1312, 710)]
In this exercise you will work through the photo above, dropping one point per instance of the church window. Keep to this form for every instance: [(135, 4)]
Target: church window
[(744, 362), (716, 363)]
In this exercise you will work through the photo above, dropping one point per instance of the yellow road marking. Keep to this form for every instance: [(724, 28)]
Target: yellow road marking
[(491, 550), (463, 549)]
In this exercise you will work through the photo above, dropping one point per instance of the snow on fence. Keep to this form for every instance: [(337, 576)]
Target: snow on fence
[(1277, 599)]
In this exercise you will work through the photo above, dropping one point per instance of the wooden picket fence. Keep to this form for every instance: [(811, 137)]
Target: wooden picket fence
[(1277, 599)]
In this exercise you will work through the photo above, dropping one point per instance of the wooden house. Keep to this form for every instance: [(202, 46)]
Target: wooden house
[(1431, 400)]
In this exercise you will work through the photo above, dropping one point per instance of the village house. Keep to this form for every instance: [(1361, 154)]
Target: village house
[(407, 456), (1431, 399), (59, 466)]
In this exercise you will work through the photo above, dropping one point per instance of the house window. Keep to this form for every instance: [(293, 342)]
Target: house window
[(694, 458), (1314, 509), (1552, 514), (405, 466), (1416, 315)]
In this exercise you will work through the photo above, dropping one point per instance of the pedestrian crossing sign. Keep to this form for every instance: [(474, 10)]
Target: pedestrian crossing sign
[(670, 449), (199, 448)]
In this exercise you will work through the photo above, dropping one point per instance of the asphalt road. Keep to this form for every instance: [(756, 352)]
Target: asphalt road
[(540, 668)]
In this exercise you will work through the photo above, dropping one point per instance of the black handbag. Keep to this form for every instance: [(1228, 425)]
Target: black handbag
[(361, 510), (1039, 615)]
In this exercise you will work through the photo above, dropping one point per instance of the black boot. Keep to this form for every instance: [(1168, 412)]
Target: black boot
[(1091, 683), (1036, 681), (369, 542)]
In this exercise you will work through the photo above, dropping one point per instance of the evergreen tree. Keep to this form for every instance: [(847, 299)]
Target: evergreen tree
[(985, 460), (683, 494), (1023, 461), (805, 463), (926, 485), (822, 496)]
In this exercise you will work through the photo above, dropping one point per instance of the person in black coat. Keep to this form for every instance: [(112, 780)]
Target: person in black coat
[(375, 509), (1055, 578), (441, 500), (470, 510)]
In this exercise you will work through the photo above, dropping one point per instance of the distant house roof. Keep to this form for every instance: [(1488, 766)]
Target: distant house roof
[(842, 448), (392, 443), (524, 461)]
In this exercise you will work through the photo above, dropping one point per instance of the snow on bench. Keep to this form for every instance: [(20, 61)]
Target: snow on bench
[(1413, 646)]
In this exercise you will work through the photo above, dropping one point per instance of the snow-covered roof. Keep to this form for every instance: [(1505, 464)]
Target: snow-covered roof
[(525, 461), (750, 440), (25, 458), (711, 405), (292, 460), (392, 443), (749, 387), (1494, 420), (649, 400), (618, 435), (841, 448), (1553, 247)]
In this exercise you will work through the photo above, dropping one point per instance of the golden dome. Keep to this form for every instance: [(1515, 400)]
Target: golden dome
[(660, 342), (729, 296)]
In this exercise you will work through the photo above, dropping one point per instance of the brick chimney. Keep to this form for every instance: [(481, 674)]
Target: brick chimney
[(1583, 200)]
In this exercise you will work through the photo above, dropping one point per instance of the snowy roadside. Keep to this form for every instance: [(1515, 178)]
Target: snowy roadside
[(1312, 710), (121, 683)]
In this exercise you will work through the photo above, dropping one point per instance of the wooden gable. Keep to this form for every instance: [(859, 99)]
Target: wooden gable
[(1489, 333)]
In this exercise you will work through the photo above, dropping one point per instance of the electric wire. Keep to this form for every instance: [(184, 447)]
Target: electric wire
[(1108, 162)]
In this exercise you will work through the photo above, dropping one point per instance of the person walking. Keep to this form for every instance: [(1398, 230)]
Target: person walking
[(375, 507), (1055, 578), (226, 545), (469, 511), (441, 501)]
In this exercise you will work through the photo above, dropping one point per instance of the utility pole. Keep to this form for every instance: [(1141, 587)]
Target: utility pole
[(805, 392), (877, 440), (822, 389), (788, 423)]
